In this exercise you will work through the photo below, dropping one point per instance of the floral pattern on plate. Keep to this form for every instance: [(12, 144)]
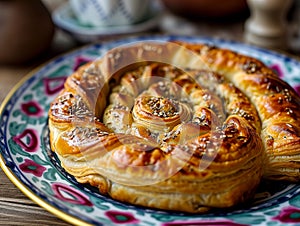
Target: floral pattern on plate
[(24, 144)]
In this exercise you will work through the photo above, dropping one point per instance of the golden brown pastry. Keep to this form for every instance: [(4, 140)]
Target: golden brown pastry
[(278, 106), (159, 125)]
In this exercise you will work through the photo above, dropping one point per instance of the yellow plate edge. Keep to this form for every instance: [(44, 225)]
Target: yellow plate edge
[(13, 178), (42, 203)]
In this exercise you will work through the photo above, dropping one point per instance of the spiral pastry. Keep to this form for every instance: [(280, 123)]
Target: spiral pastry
[(277, 103), (163, 125)]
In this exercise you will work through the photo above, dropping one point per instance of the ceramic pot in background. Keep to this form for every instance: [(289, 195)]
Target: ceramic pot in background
[(110, 12), (205, 8), (267, 25), (26, 30)]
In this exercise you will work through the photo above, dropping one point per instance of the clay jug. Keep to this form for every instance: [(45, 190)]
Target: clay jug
[(26, 30)]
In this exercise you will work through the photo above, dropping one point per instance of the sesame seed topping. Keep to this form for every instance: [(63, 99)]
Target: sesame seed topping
[(289, 111), (163, 107), (250, 67)]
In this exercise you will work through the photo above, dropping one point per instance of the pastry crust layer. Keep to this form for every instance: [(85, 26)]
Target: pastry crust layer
[(175, 126)]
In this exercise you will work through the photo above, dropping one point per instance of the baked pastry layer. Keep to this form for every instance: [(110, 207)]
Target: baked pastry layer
[(277, 103), (166, 125)]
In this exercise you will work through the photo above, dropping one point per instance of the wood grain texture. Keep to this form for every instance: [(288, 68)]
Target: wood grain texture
[(17, 209)]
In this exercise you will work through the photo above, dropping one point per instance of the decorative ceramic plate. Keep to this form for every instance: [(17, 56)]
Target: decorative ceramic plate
[(29, 163), (65, 19)]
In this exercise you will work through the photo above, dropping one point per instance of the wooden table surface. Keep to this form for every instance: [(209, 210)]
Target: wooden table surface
[(15, 207)]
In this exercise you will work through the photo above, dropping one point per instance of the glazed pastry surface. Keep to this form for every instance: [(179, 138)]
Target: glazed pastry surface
[(175, 126), (278, 106)]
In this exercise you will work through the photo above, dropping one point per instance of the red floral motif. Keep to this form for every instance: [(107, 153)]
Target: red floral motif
[(32, 108), (54, 85), (28, 140), (204, 223), (79, 62), (289, 215), (276, 68), (121, 217), (68, 194), (30, 166)]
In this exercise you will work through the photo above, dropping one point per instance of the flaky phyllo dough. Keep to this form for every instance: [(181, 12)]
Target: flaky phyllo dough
[(176, 126)]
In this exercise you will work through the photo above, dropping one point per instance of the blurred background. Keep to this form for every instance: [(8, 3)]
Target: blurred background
[(39, 29)]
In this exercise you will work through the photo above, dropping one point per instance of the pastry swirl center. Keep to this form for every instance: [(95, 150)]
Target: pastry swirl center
[(162, 108), (158, 106), (159, 112)]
